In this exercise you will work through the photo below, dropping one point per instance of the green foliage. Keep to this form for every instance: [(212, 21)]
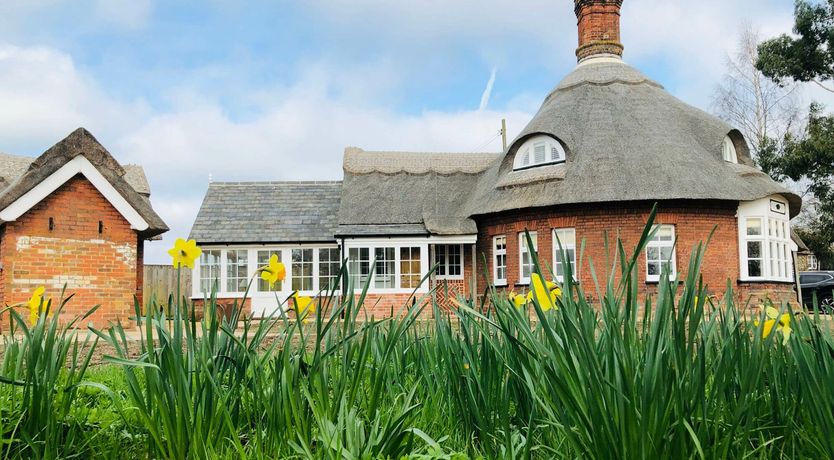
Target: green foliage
[(808, 56), (672, 376)]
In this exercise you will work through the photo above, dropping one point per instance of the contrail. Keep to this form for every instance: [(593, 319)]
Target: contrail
[(488, 90)]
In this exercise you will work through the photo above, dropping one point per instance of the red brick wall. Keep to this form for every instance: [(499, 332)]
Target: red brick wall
[(97, 268), (598, 23), (693, 223)]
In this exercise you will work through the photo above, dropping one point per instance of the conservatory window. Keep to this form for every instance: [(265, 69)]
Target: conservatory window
[(263, 260), (525, 260), (410, 273), (537, 151), (385, 276), (499, 259), (209, 270), (765, 241), (449, 260), (729, 150), (359, 266), (237, 270), (329, 265), (302, 269), (660, 253), (567, 237)]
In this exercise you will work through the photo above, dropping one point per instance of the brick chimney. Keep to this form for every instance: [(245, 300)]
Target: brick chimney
[(599, 28)]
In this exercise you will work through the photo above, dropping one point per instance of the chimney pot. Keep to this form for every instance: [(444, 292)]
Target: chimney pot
[(598, 22)]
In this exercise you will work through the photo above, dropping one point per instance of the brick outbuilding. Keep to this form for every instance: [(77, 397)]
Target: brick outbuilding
[(75, 219)]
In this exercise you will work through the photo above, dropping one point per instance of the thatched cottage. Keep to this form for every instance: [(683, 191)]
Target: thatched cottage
[(605, 146)]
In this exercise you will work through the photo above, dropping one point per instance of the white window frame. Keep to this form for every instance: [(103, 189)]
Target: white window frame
[(777, 246), (199, 275), (446, 262), (728, 150), (327, 285), (496, 253), (655, 242), (525, 156), (252, 269), (813, 263), (226, 267), (397, 243), (566, 246), (522, 250)]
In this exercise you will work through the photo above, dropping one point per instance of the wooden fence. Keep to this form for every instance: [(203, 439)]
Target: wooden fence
[(161, 280)]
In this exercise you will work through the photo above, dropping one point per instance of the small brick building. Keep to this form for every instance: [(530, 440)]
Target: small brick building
[(75, 218), (606, 145)]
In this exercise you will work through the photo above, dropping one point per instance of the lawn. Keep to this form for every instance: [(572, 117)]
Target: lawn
[(673, 376)]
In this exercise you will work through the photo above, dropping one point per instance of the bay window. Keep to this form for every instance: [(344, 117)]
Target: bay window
[(525, 259), (765, 245)]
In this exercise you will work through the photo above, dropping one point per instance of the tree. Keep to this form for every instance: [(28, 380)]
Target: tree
[(763, 110), (807, 57)]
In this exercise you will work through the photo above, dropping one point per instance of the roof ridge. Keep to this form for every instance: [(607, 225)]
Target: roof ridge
[(287, 182)]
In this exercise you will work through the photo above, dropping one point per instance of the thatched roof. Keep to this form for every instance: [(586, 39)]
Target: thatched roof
[(18, 175), (268, 212), (409, 193), (627, 139)]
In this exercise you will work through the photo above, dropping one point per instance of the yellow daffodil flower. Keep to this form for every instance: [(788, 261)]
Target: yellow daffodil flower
[(184, 253), (273, 272), (545, 291), (518, 300), (35, 304), (304, 306), (782, 324), (466, 366)]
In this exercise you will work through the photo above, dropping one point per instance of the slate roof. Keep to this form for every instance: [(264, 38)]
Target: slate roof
[(21, 174), (268, 212), (409, 193), (627, 139)]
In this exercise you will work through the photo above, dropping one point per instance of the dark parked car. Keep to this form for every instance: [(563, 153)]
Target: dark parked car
[(821, 282)]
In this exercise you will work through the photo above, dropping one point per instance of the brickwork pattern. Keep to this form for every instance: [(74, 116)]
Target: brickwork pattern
[(98, 267), (693, 224), (598, 23)]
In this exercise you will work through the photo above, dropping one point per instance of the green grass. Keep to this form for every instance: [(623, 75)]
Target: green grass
[(673, 376)]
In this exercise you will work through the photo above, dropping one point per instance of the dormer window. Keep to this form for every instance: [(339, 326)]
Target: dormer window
[(538, 151), (729, 150)]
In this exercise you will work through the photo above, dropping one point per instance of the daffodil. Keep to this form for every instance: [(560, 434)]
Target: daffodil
[(304, 306), (518, 300), (35, 304), (184, 253), (273, 272), (781, 323), (545, 291)]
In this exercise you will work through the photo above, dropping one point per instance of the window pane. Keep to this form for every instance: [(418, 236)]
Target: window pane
[(236, 270), (653, 268), (263, 260), (302, 269), (754, 268), (540, 150), (754, 249), (754, 227), (440, 259)]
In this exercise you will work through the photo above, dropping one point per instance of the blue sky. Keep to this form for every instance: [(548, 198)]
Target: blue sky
[(274, 90)]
